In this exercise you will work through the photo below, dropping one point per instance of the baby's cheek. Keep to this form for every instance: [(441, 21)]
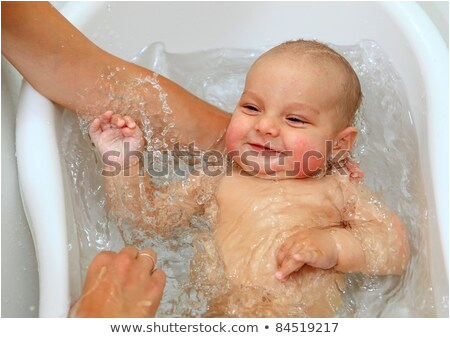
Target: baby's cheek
[(313, 164), (233, 136), (230, 141), (310, 158)]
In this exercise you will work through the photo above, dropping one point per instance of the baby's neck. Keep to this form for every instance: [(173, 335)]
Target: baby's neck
[(275, 176)]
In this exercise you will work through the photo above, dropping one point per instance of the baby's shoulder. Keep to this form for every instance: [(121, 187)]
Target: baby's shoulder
[(346, 187), (357, 192)]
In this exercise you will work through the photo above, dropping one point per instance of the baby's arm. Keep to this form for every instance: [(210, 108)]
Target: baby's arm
[(130, 193), (380, 233), (112, 134), (322, 248), (373, 241)]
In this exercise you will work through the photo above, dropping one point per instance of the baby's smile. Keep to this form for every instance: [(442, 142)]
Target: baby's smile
[(265, 149)]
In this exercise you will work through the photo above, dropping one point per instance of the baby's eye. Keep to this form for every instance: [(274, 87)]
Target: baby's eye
[(253, 108), (296, 120)]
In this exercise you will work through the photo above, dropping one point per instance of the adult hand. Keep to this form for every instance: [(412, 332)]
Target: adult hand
[(124, 284)]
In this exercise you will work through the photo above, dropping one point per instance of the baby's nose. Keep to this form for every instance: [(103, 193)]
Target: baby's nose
[(268, 125)]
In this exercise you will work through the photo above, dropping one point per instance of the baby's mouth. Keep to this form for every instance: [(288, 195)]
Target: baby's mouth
[(265, 149)]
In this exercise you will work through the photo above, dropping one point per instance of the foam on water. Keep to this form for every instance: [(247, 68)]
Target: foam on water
[(386, 148)]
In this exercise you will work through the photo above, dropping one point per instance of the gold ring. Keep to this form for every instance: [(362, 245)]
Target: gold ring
[(146, 254)]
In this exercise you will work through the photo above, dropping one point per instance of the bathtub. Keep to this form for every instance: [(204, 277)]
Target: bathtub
[(414, 45)]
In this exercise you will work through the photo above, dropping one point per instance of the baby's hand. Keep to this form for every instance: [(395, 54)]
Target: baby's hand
[(111, 132), (356, 174), (313, 247)]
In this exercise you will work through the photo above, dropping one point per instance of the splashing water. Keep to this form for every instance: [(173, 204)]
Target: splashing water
[(386, 148)]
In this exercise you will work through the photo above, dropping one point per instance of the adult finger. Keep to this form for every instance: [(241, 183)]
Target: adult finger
[(130, 251), (159, 278), (97, 267), (147, 260), (155, 285), (155, 290)]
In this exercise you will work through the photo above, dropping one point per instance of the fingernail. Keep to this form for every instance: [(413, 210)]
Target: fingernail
[(279, 275), (297, 257)]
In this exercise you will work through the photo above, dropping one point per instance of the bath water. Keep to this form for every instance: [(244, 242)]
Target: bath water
[(386, 149)]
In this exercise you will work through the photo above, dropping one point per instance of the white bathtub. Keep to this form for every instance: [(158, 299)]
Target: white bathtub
[(415, 47)]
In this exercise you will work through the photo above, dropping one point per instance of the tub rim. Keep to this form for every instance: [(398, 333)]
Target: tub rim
[(431, 47)]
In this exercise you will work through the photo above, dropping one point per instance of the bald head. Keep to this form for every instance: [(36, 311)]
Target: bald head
[(322, 55)]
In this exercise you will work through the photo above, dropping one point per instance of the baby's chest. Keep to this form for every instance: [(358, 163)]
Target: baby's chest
[(263, 205)]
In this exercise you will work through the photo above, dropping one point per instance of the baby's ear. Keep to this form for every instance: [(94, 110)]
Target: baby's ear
[(345, 139)]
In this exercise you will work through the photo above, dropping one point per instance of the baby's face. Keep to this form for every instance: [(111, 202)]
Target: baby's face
[(287, 112)]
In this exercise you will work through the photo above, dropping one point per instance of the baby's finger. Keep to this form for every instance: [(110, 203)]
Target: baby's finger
[(134, 133), (355, 172), (118, 120), (95, 129), (105, 120), (291, 264), (127, 132), (283, 251), (129, 122)]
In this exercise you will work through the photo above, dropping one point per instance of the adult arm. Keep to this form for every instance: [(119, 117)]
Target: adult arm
[(66, 67)]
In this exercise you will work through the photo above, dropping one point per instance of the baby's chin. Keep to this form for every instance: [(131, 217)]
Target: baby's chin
[(279, 167), (274, 174)]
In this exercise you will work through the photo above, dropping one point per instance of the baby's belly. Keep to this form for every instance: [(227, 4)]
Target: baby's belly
[(249, 259), (250, 264)]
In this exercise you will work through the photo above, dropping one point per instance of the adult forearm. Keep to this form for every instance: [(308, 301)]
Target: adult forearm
[(66, 67), (51, 54)]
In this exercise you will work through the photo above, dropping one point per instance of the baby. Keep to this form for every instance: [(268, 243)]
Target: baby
[(288, 226)]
